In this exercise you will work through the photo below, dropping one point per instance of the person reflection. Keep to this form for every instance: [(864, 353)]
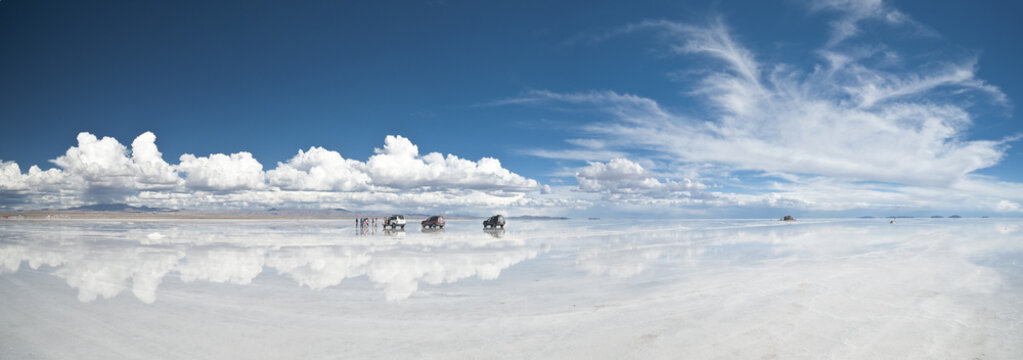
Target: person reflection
[(362, 231)]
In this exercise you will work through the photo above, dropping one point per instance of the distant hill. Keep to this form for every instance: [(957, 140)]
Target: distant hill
[(119, 208), (269, 212), (301, 212), (532, 217)]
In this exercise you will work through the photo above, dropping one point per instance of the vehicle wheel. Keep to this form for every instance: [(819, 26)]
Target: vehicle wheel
[(403, 227)]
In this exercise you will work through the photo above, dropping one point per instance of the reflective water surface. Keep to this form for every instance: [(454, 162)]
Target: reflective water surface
[(920, 288)]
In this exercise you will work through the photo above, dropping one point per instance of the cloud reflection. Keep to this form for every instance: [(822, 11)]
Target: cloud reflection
[(703, 288), (110, 263), (637, 249)]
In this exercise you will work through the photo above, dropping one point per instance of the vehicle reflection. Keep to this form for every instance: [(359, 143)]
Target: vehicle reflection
[(497, 233), (432, 230)]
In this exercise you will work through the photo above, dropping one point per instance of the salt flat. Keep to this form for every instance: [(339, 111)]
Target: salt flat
[(864, 288)]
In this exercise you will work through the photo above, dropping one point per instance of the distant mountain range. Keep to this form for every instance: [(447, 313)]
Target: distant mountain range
[(119, 208), (912, 217), (532, 217), (275, 212)]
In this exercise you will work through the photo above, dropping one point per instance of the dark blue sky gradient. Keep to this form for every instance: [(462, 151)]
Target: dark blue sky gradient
[(271, 77)]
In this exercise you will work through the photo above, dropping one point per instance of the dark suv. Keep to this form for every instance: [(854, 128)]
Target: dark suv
[(494, 221), (434, 221)]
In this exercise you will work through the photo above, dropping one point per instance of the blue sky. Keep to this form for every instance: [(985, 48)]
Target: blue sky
[(591, 108)]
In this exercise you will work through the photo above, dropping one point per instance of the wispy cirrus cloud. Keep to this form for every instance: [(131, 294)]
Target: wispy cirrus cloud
[(852, 14), (849, 120)]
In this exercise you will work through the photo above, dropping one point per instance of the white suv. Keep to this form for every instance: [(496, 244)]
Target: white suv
[(395, 221)]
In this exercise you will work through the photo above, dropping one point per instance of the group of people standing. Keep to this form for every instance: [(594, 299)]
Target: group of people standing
[(366, 222)]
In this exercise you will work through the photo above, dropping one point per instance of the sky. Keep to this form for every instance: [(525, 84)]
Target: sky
[(574, 108)]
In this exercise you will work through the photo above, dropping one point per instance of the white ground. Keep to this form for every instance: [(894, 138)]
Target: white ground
[(864, 289)]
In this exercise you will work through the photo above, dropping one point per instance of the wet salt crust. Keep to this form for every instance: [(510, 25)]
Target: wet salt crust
[(920, 288)]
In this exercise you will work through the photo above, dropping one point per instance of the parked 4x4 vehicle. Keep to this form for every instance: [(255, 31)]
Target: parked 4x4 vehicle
[(494, 221), (395, 221), (434, 221)]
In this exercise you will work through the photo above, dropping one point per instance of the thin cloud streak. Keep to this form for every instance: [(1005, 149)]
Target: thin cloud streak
[(852, 13), (841, 125)]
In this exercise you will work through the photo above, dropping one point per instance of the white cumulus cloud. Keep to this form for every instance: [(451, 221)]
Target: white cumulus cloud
[(397, 177), (220, 172), (97, 169), (150, 168), (319, 169), (399, 165), (98, 161)]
